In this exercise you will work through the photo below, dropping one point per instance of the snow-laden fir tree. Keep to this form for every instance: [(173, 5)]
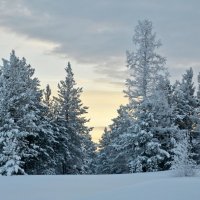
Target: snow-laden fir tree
[(198, 92), (196, 133), (146, 142), (183, 164), (146, 68), (162, 124), (112, 158), (78, 149), (186, 106), (148, 153), (144, 63), (48, 102), (60, 133), (121, 125), (47, 96), (25, 135), (185, 102), (142, 144), (103, 164), (135, 147)]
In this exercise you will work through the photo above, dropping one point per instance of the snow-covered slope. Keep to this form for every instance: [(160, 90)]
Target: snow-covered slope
[(146, 186)]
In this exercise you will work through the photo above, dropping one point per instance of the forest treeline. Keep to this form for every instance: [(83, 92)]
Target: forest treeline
[(40, 134), (158, 129)]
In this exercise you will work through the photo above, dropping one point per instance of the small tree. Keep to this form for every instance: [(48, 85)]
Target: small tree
[(198, 92), (183, 164), (185, 103), (196, 135), (112, 147), (47, 96), (103, 158)]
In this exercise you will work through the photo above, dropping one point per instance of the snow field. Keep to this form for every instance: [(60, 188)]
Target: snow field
[(141, 186)]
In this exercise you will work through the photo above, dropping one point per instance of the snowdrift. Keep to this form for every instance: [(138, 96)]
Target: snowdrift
[(141, 186)]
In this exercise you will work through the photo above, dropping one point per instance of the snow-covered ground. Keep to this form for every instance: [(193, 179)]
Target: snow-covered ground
[(145, 186)]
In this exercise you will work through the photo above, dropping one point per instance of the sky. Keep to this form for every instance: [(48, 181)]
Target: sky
[(94, 36)]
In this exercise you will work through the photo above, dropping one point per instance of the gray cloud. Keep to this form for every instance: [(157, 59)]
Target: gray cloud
[(113, 83), (112, 71), (99, 32)]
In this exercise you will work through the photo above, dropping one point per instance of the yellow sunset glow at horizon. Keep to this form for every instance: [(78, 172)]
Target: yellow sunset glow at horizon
[(103, 107)]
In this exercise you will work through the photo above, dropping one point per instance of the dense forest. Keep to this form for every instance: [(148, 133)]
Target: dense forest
[(158, 129)]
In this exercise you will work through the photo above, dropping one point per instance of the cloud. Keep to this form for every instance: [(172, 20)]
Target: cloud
[(65, 23), (98, 32), (113, 71), (116, 84)]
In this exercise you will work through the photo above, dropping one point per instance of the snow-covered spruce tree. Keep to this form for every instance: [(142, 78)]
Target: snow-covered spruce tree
[(78, 149), (120, 129), (103, 164), (148, 154), (196, 133), (142, 144), (48, 102), (198, 104), (183, 164), (161, 123), (185, 102), (47, 96), (135, 147), (25, 136), (146, 68), (60, 146), (60, 132), (112, 158), (198, 92), (144, 64)]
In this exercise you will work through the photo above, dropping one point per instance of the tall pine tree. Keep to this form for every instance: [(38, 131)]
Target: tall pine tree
[(78, 147), (135, 147), (25, 135), (146, 68)]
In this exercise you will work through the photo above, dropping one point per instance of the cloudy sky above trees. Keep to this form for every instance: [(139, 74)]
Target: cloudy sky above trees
[(94, 36)]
